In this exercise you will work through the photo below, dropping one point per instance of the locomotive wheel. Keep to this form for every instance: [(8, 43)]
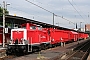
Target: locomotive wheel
[(9, 52), (43, 46), (50, 46), (47, 46), (25, 52), (39, 48)]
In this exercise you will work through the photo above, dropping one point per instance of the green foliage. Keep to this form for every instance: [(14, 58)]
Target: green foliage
[(1, 11), (1, 14)]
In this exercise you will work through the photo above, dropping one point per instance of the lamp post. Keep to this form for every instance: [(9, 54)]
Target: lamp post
[(7, 5), (4, 22)]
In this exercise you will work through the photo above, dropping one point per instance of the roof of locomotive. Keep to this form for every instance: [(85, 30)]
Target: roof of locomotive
[(29, 24)]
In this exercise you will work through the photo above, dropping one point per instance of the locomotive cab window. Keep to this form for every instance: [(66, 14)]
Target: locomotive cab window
[(24, 27), (33, 27), (39, 28)]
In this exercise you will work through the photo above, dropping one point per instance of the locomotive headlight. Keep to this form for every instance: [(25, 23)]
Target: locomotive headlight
[(22, 40), (9, 47), (11, 41), (61, 38), (22, 47)]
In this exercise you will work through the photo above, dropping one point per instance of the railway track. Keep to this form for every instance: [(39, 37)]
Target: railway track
[(79, 53), (49, 54)]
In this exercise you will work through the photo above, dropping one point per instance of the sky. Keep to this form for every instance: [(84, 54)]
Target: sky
[(67, 12)]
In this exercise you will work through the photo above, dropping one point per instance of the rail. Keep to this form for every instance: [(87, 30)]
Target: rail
[(79, 54)]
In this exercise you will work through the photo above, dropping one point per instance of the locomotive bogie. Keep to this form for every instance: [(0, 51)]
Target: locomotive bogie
[(16, 49)]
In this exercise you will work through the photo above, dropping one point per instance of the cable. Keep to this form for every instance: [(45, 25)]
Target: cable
[(66, 19), (77, 6), (75, 9), (57, 15), (32, 15), (40, 7), (26, 13), (49, 11), (48, 5)]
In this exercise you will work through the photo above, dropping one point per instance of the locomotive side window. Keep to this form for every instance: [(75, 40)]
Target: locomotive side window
[(32, 27), (39, 28)]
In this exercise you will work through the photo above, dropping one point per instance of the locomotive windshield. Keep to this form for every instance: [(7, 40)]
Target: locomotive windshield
[(24, 27), (31, 27)]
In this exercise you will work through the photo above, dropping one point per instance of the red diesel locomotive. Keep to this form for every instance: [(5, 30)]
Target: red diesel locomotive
[(31, 38)]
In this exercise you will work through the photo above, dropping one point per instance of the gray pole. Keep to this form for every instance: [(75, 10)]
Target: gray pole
[(3, 23), (80, 26), (76, 25), (53, 20)]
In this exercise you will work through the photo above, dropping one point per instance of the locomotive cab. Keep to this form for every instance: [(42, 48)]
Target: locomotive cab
[(19, 36)]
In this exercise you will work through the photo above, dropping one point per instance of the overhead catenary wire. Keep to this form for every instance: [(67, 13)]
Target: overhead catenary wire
[(48, 5), (39, 6), (58, 15), (26, 13), (79, 9), (75, 9), (49, 11)]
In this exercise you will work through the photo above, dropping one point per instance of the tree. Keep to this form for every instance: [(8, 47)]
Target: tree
[(1, 11)]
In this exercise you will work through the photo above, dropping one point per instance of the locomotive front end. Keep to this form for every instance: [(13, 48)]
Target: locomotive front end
[(18, 42)]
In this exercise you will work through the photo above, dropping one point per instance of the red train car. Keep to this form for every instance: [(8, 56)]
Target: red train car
[(86, 36), (58, 36), (74, 35), (7, 35), (81, 35)]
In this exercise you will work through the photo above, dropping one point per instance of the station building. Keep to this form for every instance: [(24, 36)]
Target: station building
[(87, 27)]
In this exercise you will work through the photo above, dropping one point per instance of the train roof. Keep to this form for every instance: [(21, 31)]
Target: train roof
[(21, 20)]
